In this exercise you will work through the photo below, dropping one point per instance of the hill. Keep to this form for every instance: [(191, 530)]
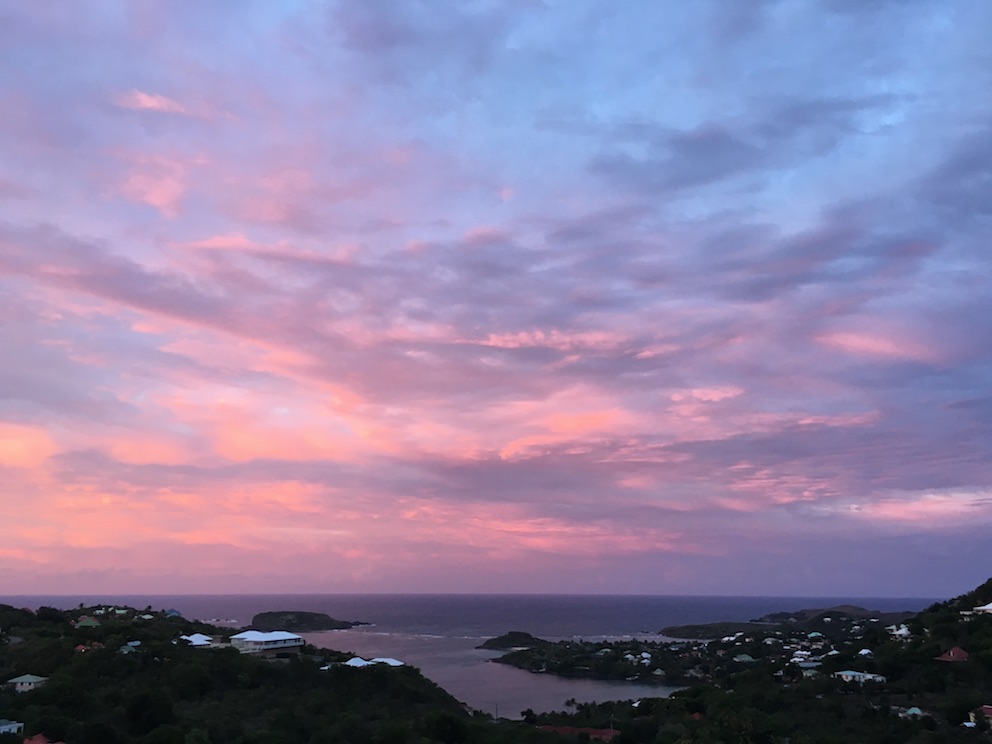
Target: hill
[(810, 619)]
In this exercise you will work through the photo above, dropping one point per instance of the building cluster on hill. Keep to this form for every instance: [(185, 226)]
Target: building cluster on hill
[(933, 666)]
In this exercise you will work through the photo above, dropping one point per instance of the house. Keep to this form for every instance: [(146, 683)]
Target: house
[(10, 727), (199, 640), (358, 662), (899, 632), (87, 622), (173, 613), (977, 713), (594, 734), (860, 677), (27, 682), (984, 608), (955, 653), (388, 661), (272, 643), (41, 739)]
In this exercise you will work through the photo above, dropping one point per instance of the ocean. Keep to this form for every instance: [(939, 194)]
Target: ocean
[(439, 633)]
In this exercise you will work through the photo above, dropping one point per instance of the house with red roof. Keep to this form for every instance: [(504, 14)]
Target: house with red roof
[(594, 734), (955, 653), (41, 739), (977, 714)]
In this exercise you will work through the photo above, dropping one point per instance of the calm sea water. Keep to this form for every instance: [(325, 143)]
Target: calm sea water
[(439, 633)]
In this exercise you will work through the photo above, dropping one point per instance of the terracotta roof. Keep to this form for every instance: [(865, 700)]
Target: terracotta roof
[(597, 734), (955, 653), (41, 739)]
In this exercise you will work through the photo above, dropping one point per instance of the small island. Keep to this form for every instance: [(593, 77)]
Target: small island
[(515, 639), (300, 622)]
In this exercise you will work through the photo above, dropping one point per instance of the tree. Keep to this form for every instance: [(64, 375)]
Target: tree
[(147, 711)]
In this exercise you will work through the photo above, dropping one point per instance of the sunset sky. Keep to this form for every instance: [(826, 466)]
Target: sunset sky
[(496, 296)]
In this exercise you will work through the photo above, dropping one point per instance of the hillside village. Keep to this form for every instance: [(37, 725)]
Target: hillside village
[(928, 678)]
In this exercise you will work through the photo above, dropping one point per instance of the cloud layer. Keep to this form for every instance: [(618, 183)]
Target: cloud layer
[(496, 297)]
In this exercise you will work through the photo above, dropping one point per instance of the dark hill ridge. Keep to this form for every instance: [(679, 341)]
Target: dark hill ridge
[(810, 619), (840, 611), (300, 622)]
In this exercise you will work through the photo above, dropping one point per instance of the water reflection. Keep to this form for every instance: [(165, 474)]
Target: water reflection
[(465, 671)]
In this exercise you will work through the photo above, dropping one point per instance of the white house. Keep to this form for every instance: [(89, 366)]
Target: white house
[(388, 661), (200, 640), (258, 642), (10, 727), (27, 682), (985, 608), (899, 631), (859, 677), (358, 662)]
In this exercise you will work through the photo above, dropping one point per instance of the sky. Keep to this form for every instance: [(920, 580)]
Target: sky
[(472, 296)]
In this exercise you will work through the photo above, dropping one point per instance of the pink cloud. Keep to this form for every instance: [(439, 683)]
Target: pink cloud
[(508, 529), (557, 339), (891, 346), (709, 394), (932, 509), (158, 182), (138, 100)]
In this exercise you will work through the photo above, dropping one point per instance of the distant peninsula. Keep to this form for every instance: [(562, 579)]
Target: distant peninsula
[(301, 622), (810, 620)]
